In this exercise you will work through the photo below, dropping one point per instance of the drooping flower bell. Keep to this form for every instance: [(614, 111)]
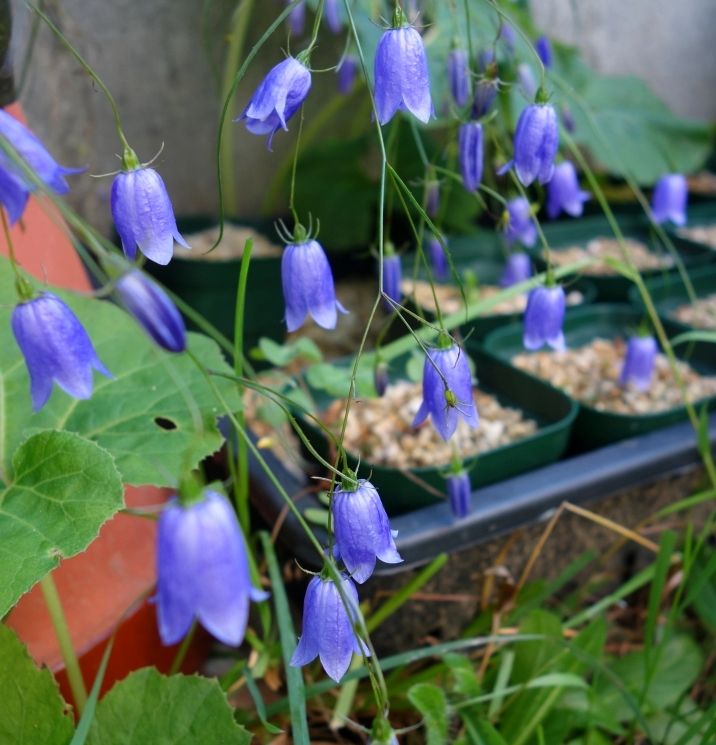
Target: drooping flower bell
[(485, 93), (392, 274), (56, 349), (202, 570), (519, 223), (459, 489), (432, 198), (332, 15), (544, 316), (277, 99), (362, 528), (459, 76), (401, 74), (347, 72), (536, 141), (639, 361), (438, 259), (156, 313), (15, 186), (327, 631), (470, 147), (307, 282), (563, 192), (297, 18), (544, 50), (518, 268), (668, 201), (447, 389), (143, 215)]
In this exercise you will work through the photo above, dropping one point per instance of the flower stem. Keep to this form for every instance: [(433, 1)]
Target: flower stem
[(90, 71), (62, 631), (241, 486)]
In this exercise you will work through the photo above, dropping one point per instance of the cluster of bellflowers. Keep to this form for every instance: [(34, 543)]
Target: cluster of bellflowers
[(55, 345)]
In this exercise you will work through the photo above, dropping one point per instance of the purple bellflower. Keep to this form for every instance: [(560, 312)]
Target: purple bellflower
[(401, 73), (536, 141), (156, 313), (458, 487), (459, 76), (568, 120), (639, 361), (277, 99), (144, 216), (392, 273), (297, 18), (15, 187), (470, 149), (202, 571), (563, 192), (438, 259), (308, 287), (544, 50), (668, 201), (362, 529), (520, 225), (332, 15), (447, 390), (544, 317), (56, 349), (518, 268), (328, 628), (485, 59), (347, 73), (381, 378), (508, 35), (485, 93), (432, 198)]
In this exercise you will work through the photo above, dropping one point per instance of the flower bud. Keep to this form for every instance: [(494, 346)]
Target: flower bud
[(563, 192), (459, 76), (520, 225), (544, 317), (544, 50), (669, 199), (347, 73), (391, 280), (471, 154), (458, 485), (437, 258)]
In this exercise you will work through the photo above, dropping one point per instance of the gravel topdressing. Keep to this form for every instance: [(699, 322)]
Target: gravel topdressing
[(590, 374)]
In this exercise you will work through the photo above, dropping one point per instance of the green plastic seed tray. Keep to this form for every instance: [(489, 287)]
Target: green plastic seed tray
[(554, 412), (668, 293), (594, 428), (614, 287)]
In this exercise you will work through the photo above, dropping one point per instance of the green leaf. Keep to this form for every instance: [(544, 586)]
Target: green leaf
[(696, 335), (430, 701), (61, 489), (480, 731), (33, 712), (627, 128), (334, 380), (147, 707), (157, 416), (281, 354)]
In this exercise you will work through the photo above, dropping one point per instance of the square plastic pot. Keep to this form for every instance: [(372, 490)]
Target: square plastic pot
[(594, 428), (554, 412)]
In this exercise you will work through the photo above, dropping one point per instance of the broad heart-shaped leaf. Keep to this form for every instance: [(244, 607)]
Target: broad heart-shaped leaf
[(128, 414), (32, 710), (150, 708), (430, 701), (63, 488)]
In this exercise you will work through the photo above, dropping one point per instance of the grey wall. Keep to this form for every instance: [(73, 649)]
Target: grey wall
[(150, 54), (668, 43)]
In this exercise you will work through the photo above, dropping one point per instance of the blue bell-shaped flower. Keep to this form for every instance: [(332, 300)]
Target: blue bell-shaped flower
[(470, 148), (544, 316)]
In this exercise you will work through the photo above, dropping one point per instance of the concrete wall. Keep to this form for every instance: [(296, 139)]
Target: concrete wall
[(150, 54)]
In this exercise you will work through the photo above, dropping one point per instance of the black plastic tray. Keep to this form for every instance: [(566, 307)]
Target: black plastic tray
[(498, 509)]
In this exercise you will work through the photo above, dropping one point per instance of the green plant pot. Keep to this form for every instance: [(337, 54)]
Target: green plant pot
[(615, 287), (668, 293), (209, 287), (553, 411), (700, 214), (594, 428)]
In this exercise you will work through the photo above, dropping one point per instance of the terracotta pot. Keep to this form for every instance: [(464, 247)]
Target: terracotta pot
[(111, 582)]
